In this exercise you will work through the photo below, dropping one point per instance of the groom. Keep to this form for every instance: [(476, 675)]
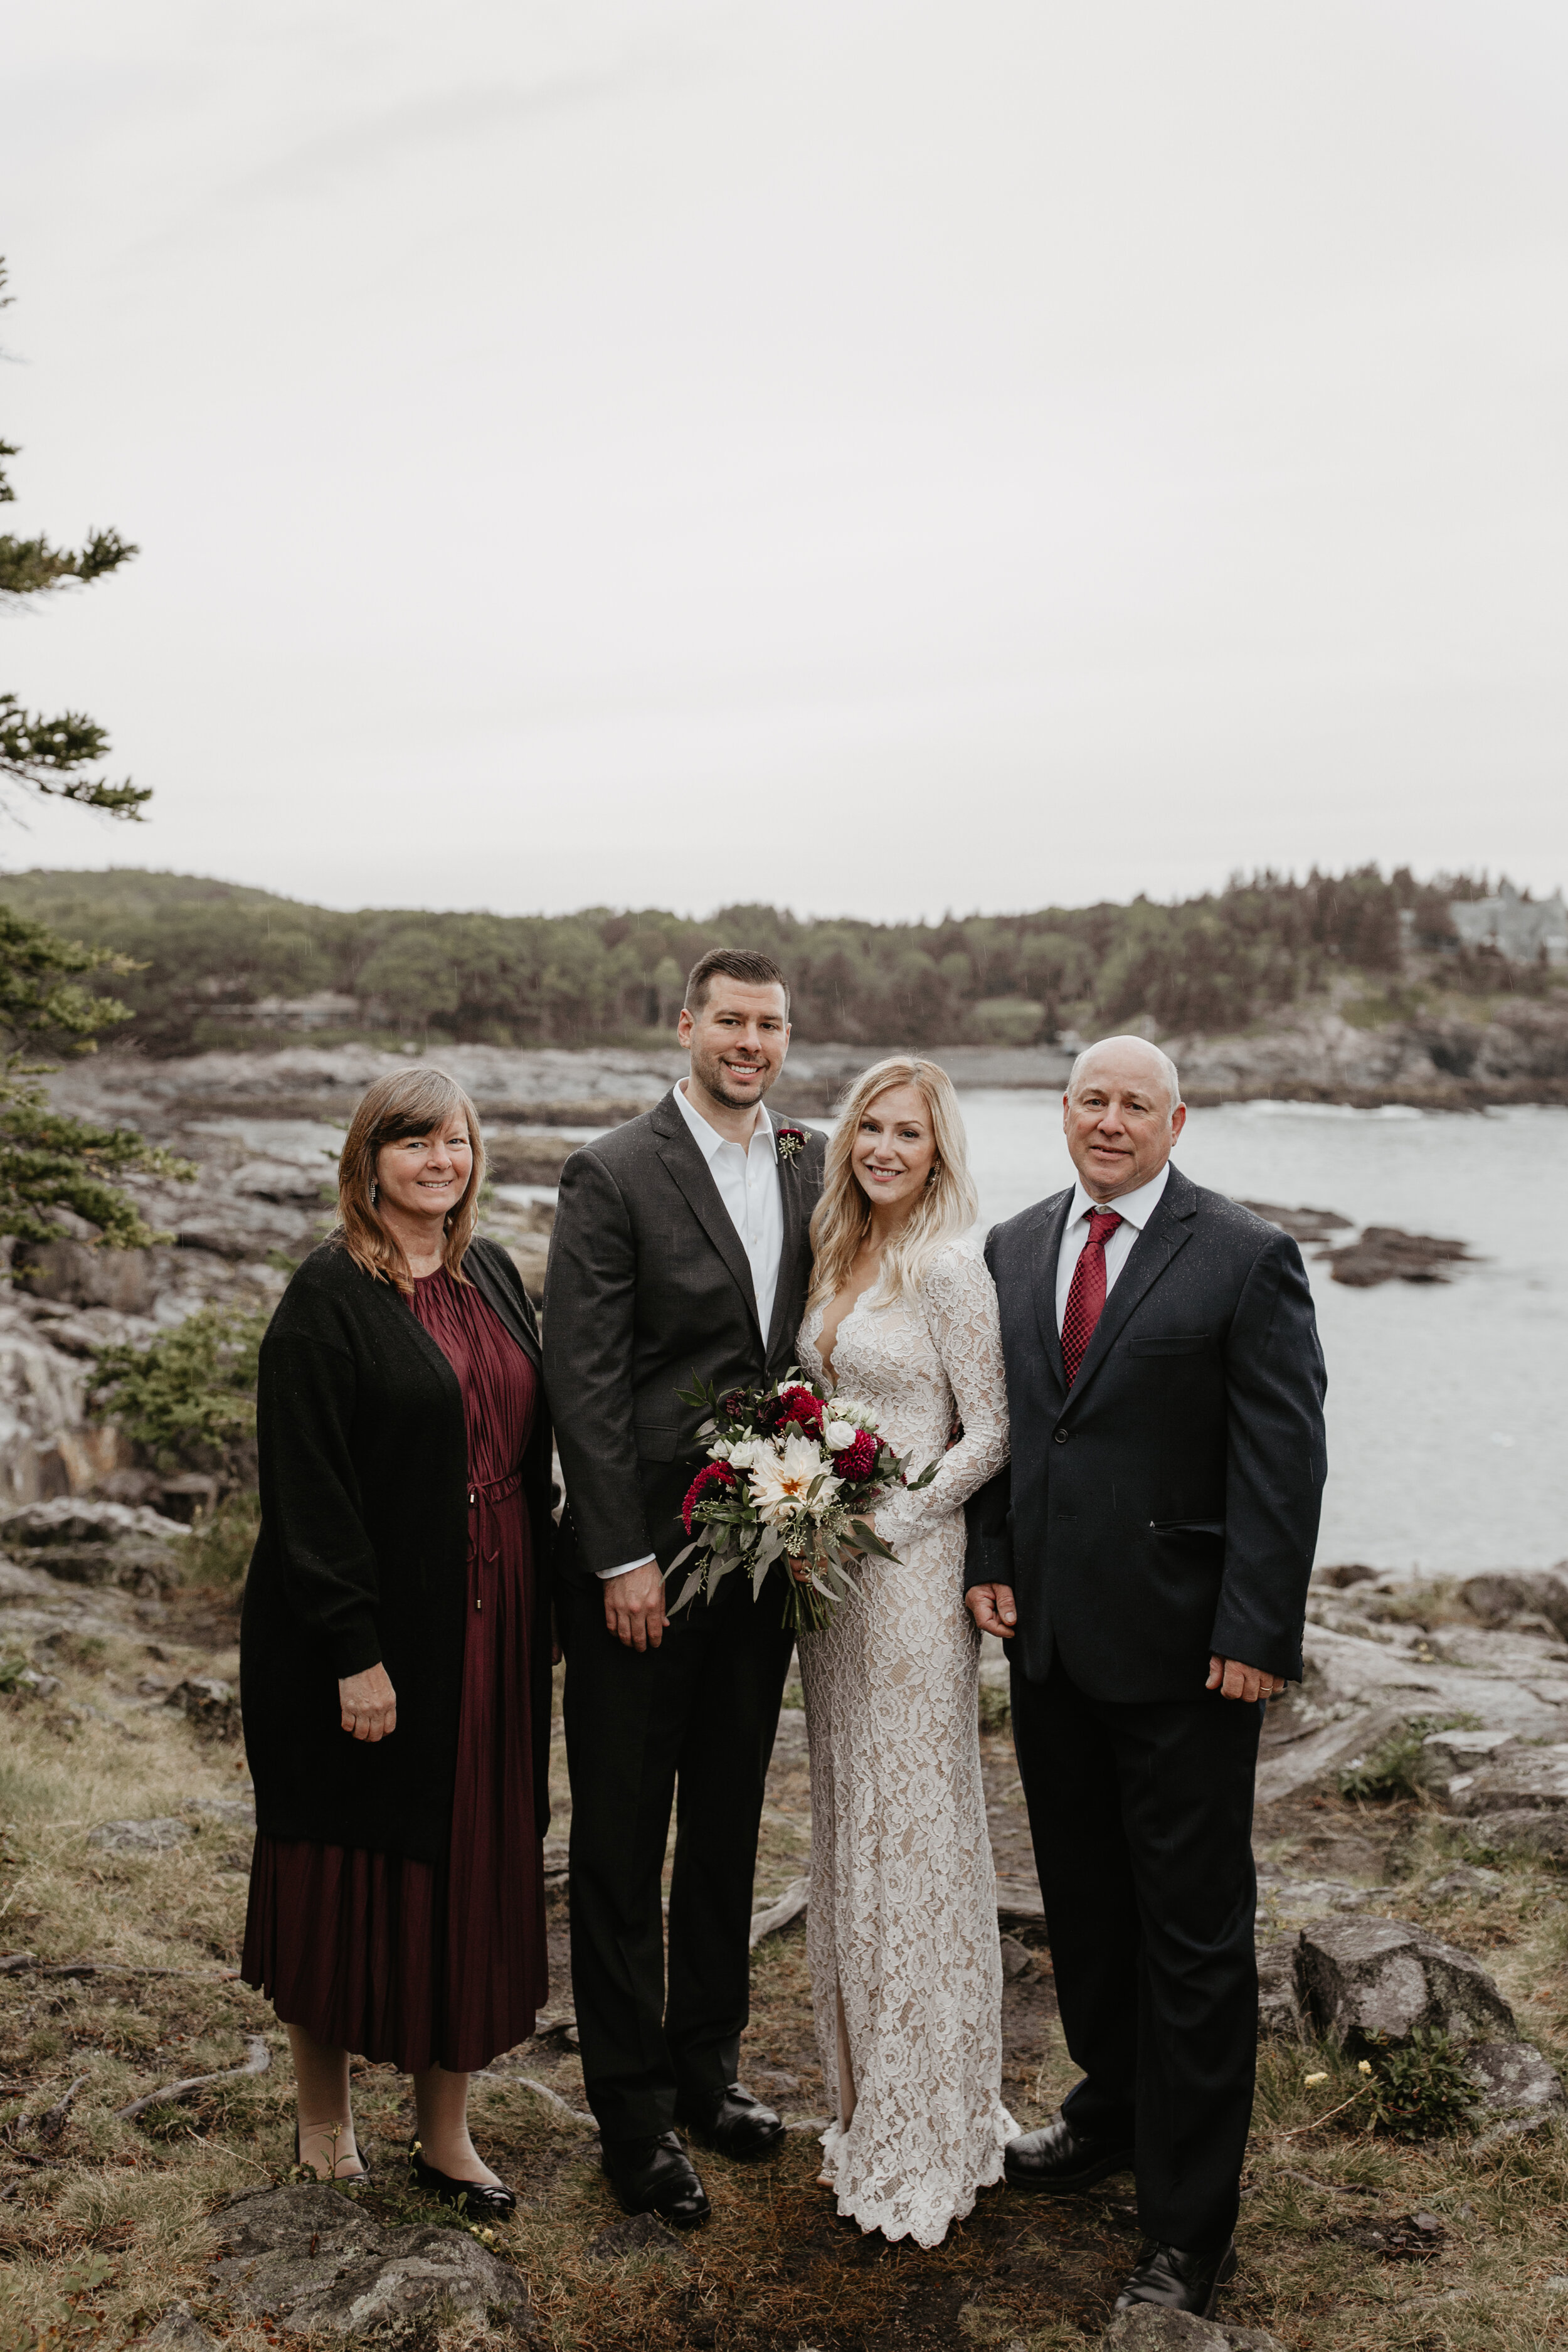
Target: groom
[(1147, 1558), (681, 1248)]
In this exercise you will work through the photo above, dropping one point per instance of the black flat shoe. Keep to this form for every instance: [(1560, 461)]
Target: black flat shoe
[(657, 2176), (360, 2179), (1061, 2161), (476, 2200), (1173, 2281), (736, 2123)]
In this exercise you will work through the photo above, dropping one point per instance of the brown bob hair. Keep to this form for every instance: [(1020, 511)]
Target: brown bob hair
[(404, 1103)]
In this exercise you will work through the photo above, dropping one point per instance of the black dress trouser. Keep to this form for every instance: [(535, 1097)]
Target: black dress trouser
[(1141, 1820), (701, 1711)]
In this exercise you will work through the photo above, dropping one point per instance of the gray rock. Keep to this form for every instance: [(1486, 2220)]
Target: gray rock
[(1455, 1885), (1146, 2328), (1543, 1834), (1281, 2004), (1385, 1976), (1524, 1780), (1505, 1593), (308, 2256), (226, 1809), (180, 2330), (639, 2233), (1515, 2078), (78, 1520), (1017, 1961), (285, 1181), (139, 1837), (209, 1704)]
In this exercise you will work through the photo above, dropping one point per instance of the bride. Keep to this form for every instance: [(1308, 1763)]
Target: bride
[(901, 1925)]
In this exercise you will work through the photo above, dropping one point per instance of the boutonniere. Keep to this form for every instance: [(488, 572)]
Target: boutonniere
[(788, 1140)]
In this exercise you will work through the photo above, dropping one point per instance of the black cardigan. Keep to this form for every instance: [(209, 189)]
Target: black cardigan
[(363, 1557)]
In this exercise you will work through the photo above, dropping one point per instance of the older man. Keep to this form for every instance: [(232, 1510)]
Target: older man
[(1147, 1558)]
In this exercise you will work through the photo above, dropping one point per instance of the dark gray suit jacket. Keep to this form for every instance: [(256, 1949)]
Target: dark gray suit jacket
[(648, 1285), (1167, 1506)]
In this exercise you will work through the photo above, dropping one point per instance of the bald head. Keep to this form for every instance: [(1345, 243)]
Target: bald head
[(1122, 1115), (1127, 1055)]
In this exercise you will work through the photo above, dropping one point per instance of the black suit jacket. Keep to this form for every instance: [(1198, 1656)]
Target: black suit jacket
[(1166, 1507), (648, 1285)]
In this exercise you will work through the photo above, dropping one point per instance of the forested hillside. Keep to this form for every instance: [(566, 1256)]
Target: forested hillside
[(223, 965)]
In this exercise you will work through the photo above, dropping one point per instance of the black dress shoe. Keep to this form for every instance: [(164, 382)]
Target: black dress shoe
[(657, 2176), (1061, 2161), (736, 2124), (476, 2200), (1179, 2282)]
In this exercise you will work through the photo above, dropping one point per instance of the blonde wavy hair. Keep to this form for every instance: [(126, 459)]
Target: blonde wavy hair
[(948, 1207), (404, 1103)]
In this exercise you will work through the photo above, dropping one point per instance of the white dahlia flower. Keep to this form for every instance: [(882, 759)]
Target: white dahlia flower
[(781, 1481)]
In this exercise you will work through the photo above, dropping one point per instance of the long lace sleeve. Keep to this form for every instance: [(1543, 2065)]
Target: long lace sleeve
[(960, 1302)]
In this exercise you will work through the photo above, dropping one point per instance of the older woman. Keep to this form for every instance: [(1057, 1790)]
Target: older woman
[(396, 1646)]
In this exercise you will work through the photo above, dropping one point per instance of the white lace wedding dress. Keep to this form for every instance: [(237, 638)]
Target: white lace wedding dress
[(902, 1922)]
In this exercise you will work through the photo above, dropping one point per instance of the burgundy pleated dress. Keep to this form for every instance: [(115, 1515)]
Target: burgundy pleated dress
[(417, 1964)]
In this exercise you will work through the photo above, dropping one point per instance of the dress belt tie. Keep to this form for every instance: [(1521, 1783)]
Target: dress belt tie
[(491, 1490), (494, 1490)]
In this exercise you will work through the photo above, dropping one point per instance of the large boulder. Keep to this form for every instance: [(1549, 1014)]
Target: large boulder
[(309, 2256), (1383, 1979), (1504, 1593)]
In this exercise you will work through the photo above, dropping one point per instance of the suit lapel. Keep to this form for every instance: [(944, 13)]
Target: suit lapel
[(1167, 1231), (677, 1149), (1046, 1249), (796, 1224)]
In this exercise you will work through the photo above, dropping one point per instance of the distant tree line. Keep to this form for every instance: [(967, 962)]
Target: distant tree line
[(217, 964)]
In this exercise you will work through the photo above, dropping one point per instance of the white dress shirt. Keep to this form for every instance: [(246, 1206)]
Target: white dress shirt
[(747, 1177), (1134, 1209)]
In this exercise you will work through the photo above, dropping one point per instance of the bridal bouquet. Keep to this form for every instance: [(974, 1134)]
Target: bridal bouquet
[(792, 1474)]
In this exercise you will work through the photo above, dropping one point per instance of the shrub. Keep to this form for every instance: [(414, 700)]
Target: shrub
[(188, 1399), (1396, 1766), (1420, 2090)]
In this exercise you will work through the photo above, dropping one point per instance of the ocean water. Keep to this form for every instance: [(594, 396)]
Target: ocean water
[(1447, 1404)]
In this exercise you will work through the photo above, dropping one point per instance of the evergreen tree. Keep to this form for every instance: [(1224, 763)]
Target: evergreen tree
[(51, 756), (50, 1162)]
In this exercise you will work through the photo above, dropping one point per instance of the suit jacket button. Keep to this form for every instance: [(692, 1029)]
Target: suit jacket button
[(1062, 1436)]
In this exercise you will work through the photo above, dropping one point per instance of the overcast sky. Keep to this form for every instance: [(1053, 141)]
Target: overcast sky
[(872, 455)]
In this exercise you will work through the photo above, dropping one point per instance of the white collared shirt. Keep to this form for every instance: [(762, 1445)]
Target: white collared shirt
[(1134, 1209), (747, 1177)]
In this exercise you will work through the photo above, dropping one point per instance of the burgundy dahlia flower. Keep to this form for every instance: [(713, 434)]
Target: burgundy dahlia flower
[(857, 1460)]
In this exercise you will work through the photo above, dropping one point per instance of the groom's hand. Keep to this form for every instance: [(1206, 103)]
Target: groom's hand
[(633, 1607), (1232, 1680), (993, 1609)]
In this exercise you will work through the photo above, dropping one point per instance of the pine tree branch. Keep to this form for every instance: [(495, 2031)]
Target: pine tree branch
[(29, 567), (45, 755)]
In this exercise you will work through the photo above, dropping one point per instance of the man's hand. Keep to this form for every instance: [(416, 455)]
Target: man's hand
[(368, 1704), (1232, 1680), (633, 1607), (993, 1608)]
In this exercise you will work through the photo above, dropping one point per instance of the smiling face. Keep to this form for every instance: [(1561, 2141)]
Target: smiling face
[(1119, 1121), (894, 1149), (737, 1038), (426, 1176)]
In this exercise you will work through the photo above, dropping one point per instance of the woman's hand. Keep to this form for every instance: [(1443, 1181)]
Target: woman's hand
[(369, 1704)]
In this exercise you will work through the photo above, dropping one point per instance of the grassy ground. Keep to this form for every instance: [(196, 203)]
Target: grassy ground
[(103, 2222)]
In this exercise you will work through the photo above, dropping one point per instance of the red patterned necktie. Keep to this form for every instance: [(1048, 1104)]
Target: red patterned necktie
[(1086, 1293)]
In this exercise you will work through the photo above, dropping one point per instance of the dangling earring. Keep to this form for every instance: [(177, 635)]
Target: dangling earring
[(932, 1175), (375, 1192)]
